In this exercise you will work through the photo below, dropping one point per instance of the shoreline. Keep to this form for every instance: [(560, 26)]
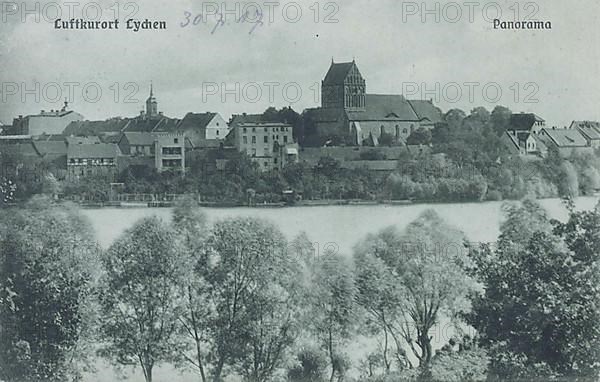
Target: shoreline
[(312, 203)]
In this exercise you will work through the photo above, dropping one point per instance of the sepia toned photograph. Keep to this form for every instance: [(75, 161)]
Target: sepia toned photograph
[(299, 191)]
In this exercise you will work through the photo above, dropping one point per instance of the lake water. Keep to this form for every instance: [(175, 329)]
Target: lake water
[(343, 226), (326, 226)]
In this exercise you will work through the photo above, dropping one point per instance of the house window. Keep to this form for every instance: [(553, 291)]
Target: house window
[(266, 164), (397, 131), (176, 140), (254, 129), (266, 139), (404, 131), (253, 152), (244, 129), (285, 139), (245, 139), (254, 139), (217, 132)]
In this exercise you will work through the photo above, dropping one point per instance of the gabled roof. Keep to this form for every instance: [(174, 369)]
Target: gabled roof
[(425, 110), (51, 148), (523, 121), (196, 120), (95, 151), (566, 137), (89, 140), (384, 107), (24, 147), (152, 124), (590, 129), (113, 125), (137, 138), (337, 73), (237, 119)]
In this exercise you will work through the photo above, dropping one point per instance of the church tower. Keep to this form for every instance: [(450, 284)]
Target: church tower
[(151, 105), (343, 87)]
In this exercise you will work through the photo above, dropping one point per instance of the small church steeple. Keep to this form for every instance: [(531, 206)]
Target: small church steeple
[(151, 104)]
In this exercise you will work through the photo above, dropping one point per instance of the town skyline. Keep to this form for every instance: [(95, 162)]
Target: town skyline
[(407, 54)]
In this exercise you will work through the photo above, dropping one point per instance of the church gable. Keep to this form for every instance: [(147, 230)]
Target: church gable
[(343, 87)]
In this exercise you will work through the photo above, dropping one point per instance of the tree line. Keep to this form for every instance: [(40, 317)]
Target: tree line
[(235, 298)]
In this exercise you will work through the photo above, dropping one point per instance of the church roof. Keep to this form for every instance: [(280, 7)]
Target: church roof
[(337, 73), (381, 107), (426, 110)]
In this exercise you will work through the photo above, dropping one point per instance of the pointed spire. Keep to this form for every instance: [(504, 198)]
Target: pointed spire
[(150, 88)]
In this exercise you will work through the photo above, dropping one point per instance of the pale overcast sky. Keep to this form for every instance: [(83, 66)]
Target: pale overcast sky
[(393, 48)]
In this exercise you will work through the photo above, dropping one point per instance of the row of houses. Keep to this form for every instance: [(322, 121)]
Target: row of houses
[(528, 136)]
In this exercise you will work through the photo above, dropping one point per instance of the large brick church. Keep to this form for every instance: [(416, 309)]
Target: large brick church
[(348, 115)]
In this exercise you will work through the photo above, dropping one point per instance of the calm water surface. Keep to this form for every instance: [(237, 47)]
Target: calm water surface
[(342, 225)]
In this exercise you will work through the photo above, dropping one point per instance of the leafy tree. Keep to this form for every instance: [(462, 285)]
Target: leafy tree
[(190, 224), (539, 314), (454, 118), (252, 289), (47, 278), (310, 366), (421, 136), (500, 119), (458, 362), (139, 298), (332, 308), (381, 295), (429, 260)]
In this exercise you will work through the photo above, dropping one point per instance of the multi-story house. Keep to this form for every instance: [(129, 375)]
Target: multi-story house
[(169, 149), (203, 129), (92, 159), (522, 135), (45, 123), (270, 144)]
